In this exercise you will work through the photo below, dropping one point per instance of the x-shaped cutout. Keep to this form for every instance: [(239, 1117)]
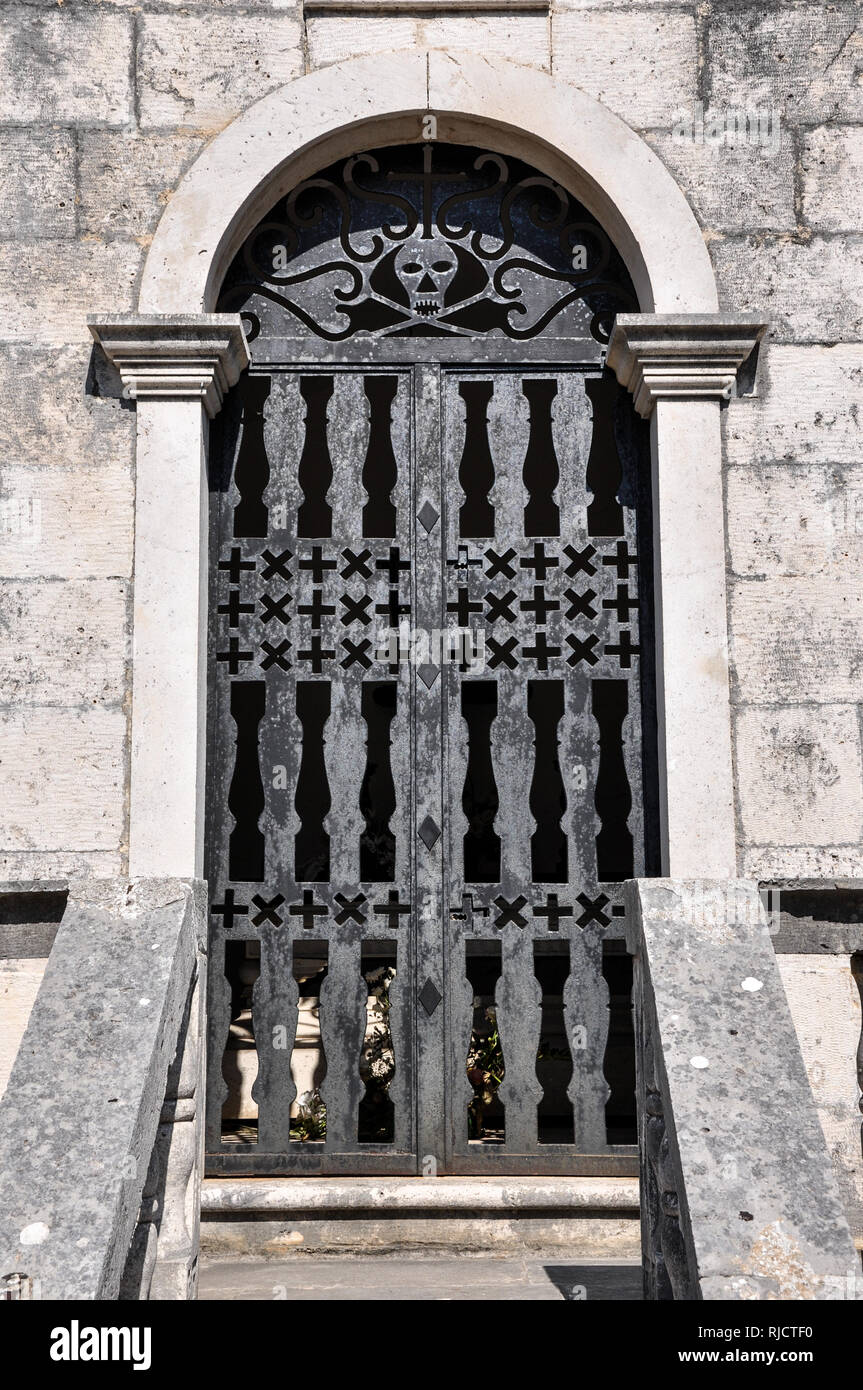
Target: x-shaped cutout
[(500, 564), (499, 606), (582, 650), (275, 608), (355, 609), (350, 909), (580, 603), (267, 910), (356, 564), (593, 910), (275, 656), (276, 564), (580, 560), (356, 652), (510, 912), (502, 652)]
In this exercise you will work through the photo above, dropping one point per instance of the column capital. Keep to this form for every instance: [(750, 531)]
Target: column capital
[(175, 356), (681, 356)]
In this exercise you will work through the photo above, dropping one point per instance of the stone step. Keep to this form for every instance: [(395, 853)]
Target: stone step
[(590, 1218), (423, 1278)]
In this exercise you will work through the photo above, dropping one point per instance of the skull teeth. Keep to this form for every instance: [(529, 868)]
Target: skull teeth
[(427, 306)]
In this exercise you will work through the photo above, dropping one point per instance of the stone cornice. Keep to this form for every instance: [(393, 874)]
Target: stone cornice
[(182, 357), (681, 356)]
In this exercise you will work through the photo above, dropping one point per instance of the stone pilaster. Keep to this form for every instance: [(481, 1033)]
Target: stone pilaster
[(178, 369)]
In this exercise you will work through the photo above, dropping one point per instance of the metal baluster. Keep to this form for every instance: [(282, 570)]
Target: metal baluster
[(344, 995), (275, 999), (518, 1003)]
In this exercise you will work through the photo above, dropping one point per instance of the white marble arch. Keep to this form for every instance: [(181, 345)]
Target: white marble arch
[(289, 135)]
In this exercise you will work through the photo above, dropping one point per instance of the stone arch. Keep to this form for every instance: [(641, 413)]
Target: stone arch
[(518, 110)]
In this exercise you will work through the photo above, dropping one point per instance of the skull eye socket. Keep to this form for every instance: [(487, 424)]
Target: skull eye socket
[(441, 266), (412, 268)]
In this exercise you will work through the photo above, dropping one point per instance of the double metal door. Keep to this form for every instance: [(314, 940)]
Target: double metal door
[(426, 768)]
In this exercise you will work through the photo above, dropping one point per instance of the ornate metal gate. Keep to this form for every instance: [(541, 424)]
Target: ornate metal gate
[(431, 738)]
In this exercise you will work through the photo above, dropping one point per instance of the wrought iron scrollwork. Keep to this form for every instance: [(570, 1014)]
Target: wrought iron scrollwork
[(428, 241)]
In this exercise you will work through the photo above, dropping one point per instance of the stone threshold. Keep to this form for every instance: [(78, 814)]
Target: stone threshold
[(314, 1197)]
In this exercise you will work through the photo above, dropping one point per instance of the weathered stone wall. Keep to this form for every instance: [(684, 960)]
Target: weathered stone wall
[(104, 104)]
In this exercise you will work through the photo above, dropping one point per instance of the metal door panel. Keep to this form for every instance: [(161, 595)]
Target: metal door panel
[(399, 304)]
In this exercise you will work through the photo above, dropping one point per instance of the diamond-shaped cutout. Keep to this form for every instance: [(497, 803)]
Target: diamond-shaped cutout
[(430, 996), (429, 832), (428, 516), (428, 675)]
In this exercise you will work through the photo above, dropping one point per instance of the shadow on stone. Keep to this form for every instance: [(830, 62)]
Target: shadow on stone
[(596, 1283)]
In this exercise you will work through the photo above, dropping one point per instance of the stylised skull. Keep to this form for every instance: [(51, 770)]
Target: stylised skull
[(426, 269)]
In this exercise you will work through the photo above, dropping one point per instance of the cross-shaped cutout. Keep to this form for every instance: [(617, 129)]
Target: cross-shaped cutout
[(464, 561), (502, 653), (308, 909), (621, 604), (392, 909), (463, 606), (553, 910), (229, 909), (233, 656), (234, 608), (593, 910), (315, 654), (467, 911), (539, 605), (539, 562), (393, 608), (541, 651), (623, 650), (622, 560), (393, 564), (317, 609), (317, 564), (235, 564)]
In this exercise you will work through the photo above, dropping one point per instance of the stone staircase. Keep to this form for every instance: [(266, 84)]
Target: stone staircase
[(420, 1239)]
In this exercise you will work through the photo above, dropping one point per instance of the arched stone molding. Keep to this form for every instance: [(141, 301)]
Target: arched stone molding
[(288, 136), (297, 130)]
